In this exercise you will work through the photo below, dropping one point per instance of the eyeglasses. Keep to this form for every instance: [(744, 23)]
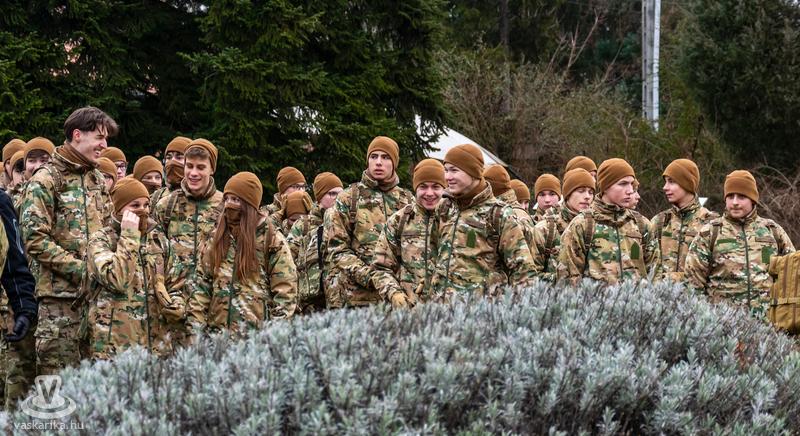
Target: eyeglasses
[(298, 186), (121, 165)]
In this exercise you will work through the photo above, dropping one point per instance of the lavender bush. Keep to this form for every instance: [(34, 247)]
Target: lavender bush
[(630, 359)]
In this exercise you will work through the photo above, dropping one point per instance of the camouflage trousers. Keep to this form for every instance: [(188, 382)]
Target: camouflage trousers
[(341, 290), (20, 366), (60, 340)]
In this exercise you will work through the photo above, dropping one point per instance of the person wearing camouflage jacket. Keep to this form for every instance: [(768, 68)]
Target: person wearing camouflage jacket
[(289, 180), (578, 192), (609, 242), (129, 261), (675, 228), (173, 169), (188, 217), (729, 259), (500, 181), (404, 254), (354, 224), (308, 247), (547, 193), (481, 246), (64, 203), (247, 274)]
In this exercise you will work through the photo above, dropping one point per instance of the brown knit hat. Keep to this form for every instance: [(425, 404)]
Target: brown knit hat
[(246, 186), (547, 182), (580, 162), (39, 143), (114, 154), (498, 178), (12, 147), (577, 178), (289, 176), (468, 158), (19, 155), (611, 171), (107, 167), (741, 182), (297, 202), (386, 145), (144, 165), (685, 173), (126, 190), (324, 182), (428, 170), (521, 190), (178, 143), (206, 145)]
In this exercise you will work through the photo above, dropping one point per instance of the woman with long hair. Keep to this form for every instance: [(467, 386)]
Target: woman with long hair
[(247, 275)]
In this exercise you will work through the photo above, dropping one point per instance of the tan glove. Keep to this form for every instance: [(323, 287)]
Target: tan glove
[(399, 300), (172, 310)]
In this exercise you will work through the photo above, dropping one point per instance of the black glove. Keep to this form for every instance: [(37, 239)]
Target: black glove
[(21, 327)]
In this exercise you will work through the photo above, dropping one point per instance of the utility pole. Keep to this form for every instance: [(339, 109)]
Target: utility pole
[(651, 29)]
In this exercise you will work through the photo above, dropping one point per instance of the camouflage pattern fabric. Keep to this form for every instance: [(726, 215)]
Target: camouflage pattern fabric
[(351, 245), (63, 204), (220, 301), (160, 193), (674, 230), (478, 253), (538, 215), (620, 248), (547, 239), (524, 219), (128, 268), (20, 365), (303, 241), (735, 267), (192, 222), (404, 256)]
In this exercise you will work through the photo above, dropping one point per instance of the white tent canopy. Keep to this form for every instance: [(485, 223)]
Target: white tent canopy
[(450, 138)]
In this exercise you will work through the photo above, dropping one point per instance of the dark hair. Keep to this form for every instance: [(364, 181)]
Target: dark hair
[(197, 153), (88, 118), (19, 166)]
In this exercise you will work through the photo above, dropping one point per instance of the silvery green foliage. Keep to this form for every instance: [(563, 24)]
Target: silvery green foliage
[(629, 359)]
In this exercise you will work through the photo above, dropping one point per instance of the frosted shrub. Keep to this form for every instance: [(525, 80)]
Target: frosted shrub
[(628, 359)]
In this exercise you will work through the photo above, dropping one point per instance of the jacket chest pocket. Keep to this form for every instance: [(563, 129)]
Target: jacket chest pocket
[(70, 212), (633, 240), (767, 247), (474, 237)]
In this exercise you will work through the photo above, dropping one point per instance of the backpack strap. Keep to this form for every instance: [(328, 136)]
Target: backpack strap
[(716, 224), (550, 239), (778, 241), (173, 200), (354, 194), (588, 237), (320, 261), (58, 181), (404, 217)]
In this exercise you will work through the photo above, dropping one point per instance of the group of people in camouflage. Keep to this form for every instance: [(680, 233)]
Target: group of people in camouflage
[(160, 256)]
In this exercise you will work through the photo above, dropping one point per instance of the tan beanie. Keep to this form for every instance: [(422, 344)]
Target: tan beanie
[(611, 171), (289, 176), (467, 158), (580, 162), (178, 144), (685, 173), (498, 178), (206, 145), (12, 147), (107, 167), (386, 145), (20, 155), (741, 182), (126, 190), (547, 182), (39, 143), (577, 178), (144, 165), (428, 170), (521, 190), (323, 183), (114, 154), (297, 202), (247, 187)]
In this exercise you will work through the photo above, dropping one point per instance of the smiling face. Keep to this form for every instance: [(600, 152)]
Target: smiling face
[(429, 194), (738, 206), (90, 144), (380, 166), (198, 172), (458, 182)]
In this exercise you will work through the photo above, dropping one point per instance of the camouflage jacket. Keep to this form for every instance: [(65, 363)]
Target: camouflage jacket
[(160, 193), (674, 229), (275, 213), (127, 268), (220, 301), (547, 239), (619, 248), (16, 194), (524, 218), (538, 215), (56, 223), (732, 261), (480, 249), (351, 236), (404, 254), (188, 222), (308, 250)]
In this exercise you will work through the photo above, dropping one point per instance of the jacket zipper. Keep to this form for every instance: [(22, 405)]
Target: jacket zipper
[(146, 288), (383, 200), (232, 289), (747, 267), (619, 250), (680, 243), (425, 253), (194, 253)]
